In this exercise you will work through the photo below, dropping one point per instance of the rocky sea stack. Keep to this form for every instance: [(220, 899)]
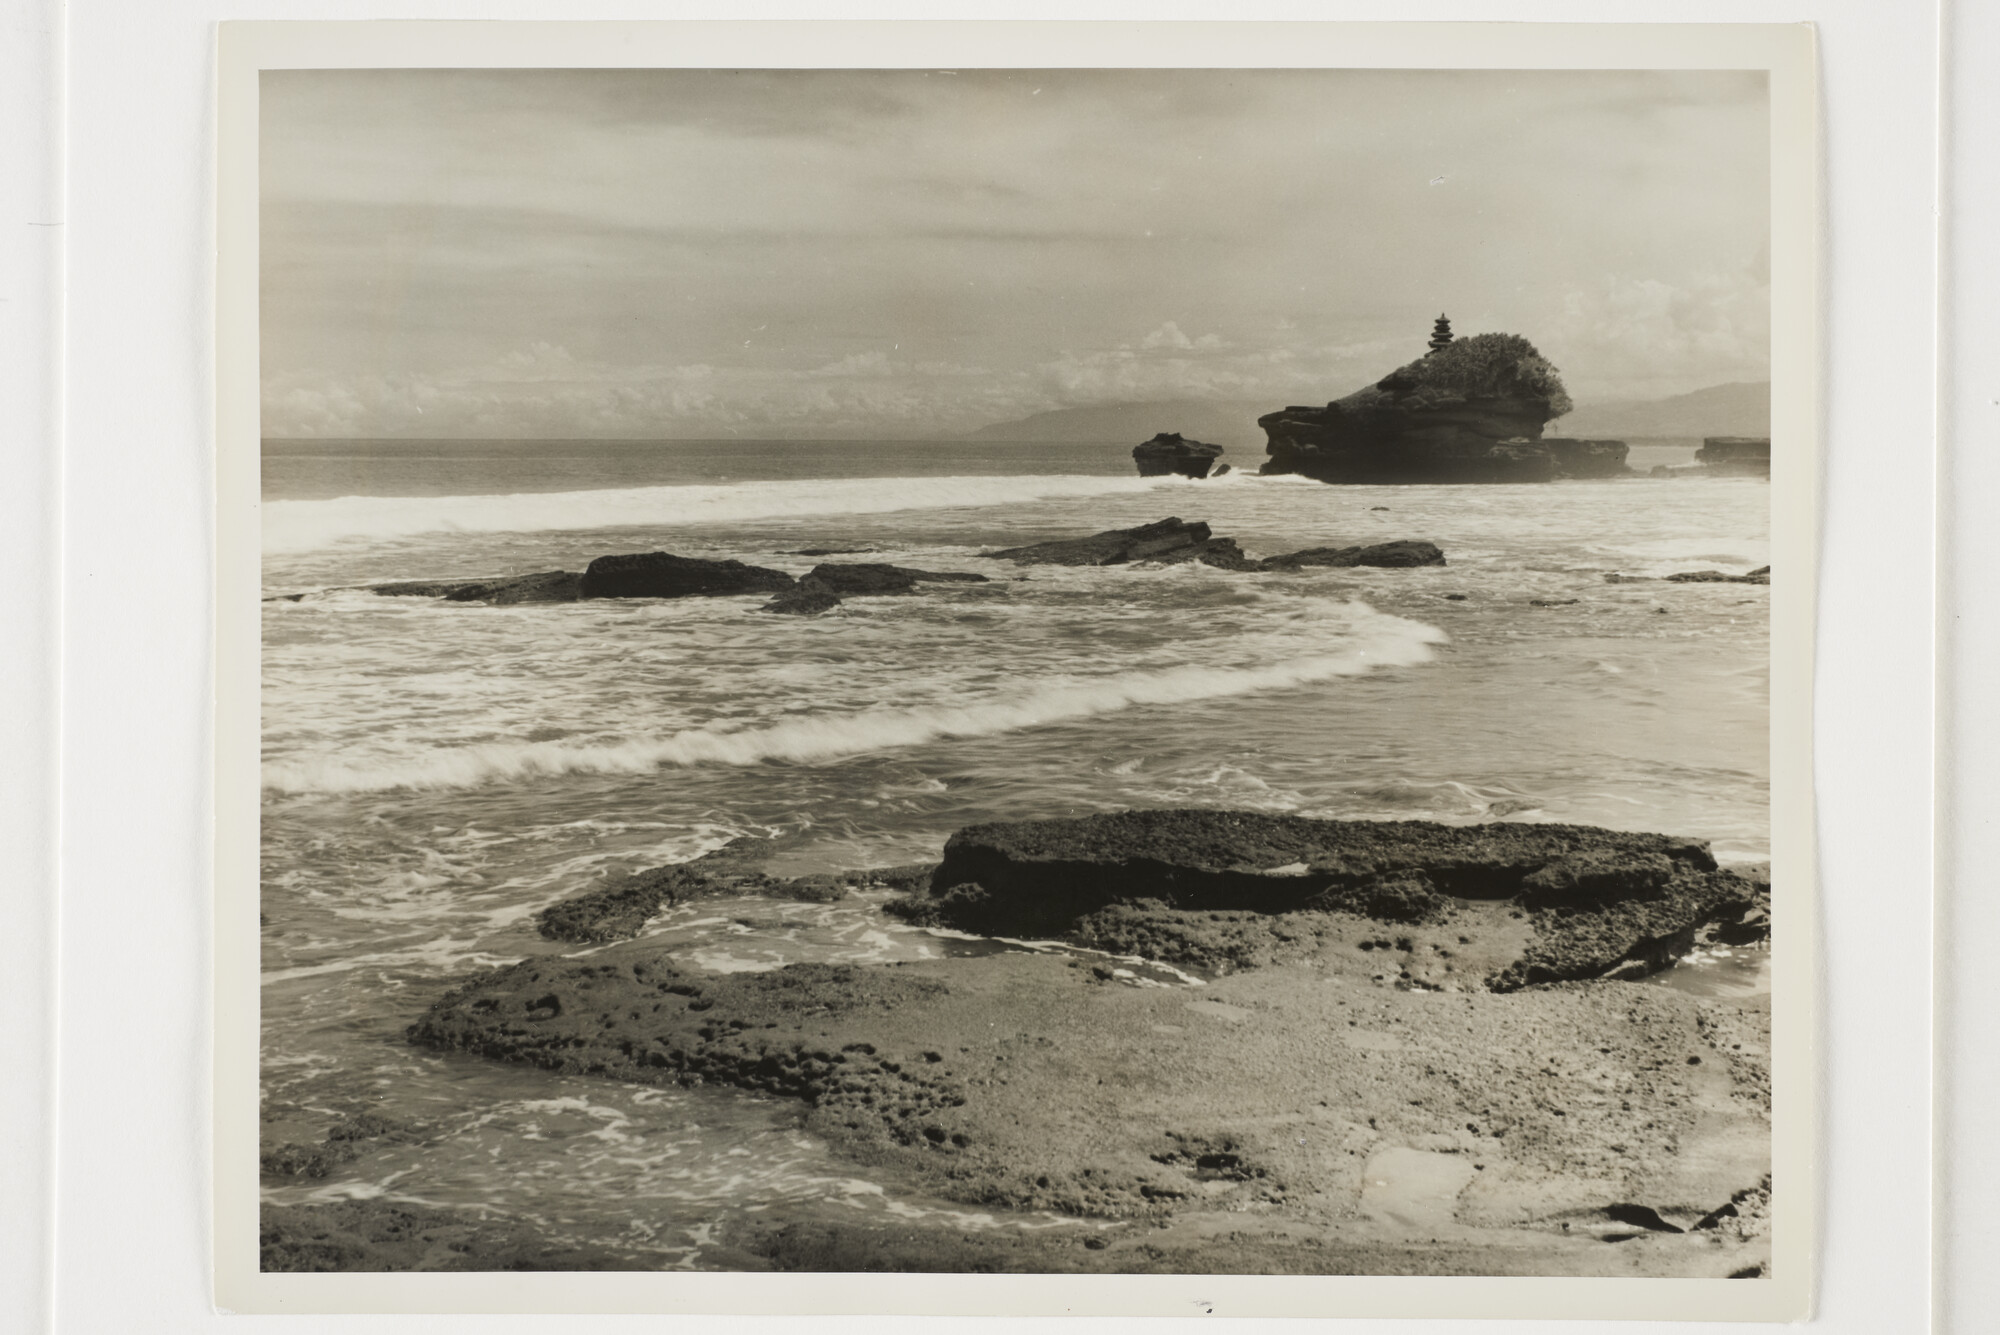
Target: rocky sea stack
[(1170, 453), (1470, 410)]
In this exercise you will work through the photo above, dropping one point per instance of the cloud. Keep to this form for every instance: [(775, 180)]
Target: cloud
[(1633, 336)]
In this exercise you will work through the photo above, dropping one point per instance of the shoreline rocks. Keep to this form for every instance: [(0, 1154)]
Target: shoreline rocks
[(1170, 453), (1344, 1045)]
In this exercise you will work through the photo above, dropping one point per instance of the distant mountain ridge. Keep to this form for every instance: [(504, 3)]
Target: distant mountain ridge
[(1742, 408), (1737, 409)]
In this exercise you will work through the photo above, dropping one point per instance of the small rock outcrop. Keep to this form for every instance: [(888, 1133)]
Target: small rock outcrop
[(1118, 546), (548, 586), (1390, 555), (1736, 456), (620, 907), (827, 583), (1470, 410), (1172, 541), (869, 579), (1170, 453), (664, 575), (1761, 575)]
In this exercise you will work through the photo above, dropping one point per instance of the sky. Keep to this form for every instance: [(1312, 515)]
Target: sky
[(767, 254)]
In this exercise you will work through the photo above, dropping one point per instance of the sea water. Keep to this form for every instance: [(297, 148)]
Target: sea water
[(434, 773)]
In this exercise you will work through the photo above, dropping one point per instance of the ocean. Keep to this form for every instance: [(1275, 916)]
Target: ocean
[(435, 773)]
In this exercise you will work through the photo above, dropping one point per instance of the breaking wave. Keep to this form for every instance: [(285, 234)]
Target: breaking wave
[(291, 526), (1380, 641)]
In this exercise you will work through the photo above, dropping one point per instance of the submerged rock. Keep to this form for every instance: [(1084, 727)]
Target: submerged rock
[(664, 575), (866, 579), (548, 586), (1169, 453), (1118, 546), (1761, 575), (808, 598), (827, 583), (620, 907), (1172, 541), (1392, 555)]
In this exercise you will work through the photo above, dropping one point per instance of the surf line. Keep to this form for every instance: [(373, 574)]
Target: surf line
[(1392, 642)]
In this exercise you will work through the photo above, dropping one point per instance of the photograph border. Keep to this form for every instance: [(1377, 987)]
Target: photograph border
[(1786, 51)]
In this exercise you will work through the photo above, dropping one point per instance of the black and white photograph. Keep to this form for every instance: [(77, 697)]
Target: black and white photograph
[(1064, 670)]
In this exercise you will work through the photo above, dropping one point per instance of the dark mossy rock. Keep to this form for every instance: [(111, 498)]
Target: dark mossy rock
[(1031, 876), (869, 579), (550, 586), (664, 575), (1118, 546), (1636, 923), (547, 586), (1597, 897), (620, 907), (1761, 575), (808, 598), (1170, 453), (1402, 554)]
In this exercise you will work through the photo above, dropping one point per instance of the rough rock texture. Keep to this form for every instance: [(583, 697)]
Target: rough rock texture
[(827, 583), (1593, 899), (1473, 411), (343, 1143), (1761, 575), (1404, 1129), (1169, 453), (1742, 456), (1393, 555), (619, 908), (808, 598), (1118, 546), (664, 575), (548, 586), (863, 579), (1588, 458), (1172, 541), (381, 1235)]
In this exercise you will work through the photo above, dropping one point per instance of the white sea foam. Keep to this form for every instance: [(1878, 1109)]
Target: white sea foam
[(292, 526), (1376, 640)]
